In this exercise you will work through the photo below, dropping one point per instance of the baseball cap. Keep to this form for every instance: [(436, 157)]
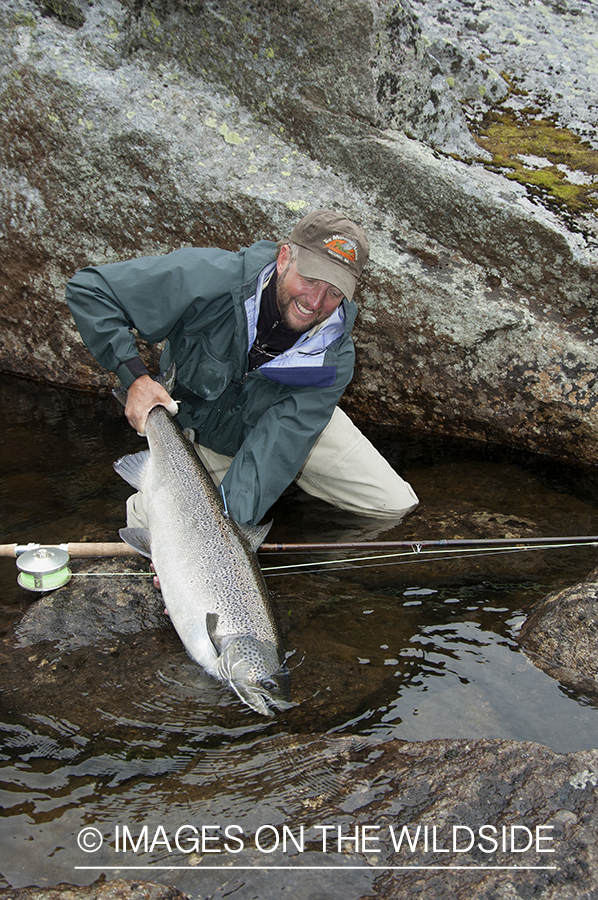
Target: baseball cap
[(332, 248)]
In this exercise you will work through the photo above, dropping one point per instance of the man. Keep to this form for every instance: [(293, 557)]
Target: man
[(261, 340)]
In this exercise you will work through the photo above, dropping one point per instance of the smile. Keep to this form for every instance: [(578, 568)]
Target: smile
[(304, 310)]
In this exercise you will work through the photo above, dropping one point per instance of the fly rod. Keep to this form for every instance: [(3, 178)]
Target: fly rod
[(417, 545), (90, 548), (119, 548)]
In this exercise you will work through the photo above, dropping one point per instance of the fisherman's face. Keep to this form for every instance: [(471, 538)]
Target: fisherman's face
[(302, 302)]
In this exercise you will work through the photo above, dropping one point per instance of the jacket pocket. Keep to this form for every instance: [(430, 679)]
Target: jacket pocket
[(200, 370)]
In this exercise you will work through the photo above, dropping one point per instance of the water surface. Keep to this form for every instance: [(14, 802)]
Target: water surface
[(414, 650)]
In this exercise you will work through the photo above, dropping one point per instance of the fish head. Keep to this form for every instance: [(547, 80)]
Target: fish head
[(252, 669)]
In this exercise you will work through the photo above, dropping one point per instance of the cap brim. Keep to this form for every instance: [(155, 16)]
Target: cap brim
[(313, 265)]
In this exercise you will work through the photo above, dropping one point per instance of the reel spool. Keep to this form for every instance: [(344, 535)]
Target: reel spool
[(44, 569)]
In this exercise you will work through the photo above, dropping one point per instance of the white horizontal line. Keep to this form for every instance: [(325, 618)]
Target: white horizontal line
[(322, 868)]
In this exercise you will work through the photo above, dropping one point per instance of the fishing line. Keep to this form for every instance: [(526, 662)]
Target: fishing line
[(396, 559), (110, 574), (405, 562)]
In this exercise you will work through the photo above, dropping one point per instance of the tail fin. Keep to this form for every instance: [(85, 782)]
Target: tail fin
[(167, 379)]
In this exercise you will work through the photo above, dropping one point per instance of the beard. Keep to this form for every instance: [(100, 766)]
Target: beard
[(286, 300)]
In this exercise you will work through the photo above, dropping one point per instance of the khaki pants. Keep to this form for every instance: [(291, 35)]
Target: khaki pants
[(344, 468)]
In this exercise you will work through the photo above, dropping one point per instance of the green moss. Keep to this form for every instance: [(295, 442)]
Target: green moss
[(509, 136), (26, 19), (67, 11)]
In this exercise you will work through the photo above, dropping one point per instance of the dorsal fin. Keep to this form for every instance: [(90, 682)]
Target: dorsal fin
[(255, 534)]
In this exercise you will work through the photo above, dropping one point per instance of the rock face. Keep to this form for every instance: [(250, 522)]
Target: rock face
[(135, 128)]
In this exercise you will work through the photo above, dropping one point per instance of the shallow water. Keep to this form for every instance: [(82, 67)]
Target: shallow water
[(417, 649)]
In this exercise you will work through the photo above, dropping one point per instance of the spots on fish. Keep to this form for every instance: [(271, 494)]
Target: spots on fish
[(207, 568)]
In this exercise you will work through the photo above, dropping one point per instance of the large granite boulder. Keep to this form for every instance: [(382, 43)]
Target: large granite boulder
[(135, 128)]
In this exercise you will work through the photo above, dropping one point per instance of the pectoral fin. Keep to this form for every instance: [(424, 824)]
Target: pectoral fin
[(138, 538), (211, 626)]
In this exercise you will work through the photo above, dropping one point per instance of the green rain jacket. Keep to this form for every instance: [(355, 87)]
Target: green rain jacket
[(205, 303)]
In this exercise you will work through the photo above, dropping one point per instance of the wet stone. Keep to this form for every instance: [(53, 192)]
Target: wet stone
[(518, 816), (99, 890), (561, 636), (103, 599)]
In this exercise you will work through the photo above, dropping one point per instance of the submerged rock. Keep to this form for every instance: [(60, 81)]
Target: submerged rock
[(107, 625), (108, 622), (127, 723), (561, 636), (103, 600)]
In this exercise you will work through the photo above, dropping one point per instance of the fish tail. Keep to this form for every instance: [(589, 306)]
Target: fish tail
[(167, 379)]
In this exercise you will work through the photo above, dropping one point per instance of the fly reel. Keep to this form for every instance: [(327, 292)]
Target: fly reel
[(44, 569)]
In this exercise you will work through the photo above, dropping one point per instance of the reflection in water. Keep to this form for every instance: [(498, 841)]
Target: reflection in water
[(467, 682), (131, 732)]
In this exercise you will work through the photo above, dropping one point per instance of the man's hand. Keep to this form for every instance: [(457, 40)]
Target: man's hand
[(143, 395)]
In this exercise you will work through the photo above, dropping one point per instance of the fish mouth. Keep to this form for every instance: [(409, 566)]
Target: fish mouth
[(252, 669), (266, 696)]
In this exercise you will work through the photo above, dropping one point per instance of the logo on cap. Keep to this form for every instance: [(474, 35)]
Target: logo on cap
[(342, 246)]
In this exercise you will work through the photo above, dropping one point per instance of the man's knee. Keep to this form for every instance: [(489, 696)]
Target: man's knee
[(345, 469), (136, 516)]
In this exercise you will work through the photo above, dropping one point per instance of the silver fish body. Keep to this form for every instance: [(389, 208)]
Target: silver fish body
[(212, 584)]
